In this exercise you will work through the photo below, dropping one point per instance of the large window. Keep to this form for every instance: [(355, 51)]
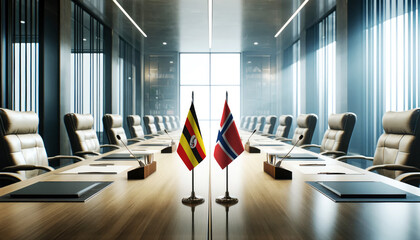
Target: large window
[(325, 70), (87, 66), (210, 76), (291, 82), (23, 55), (392, 59)]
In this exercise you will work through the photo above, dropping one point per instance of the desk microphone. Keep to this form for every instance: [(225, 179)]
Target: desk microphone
[(134, 156), (287, 155), (166, 131), (251, 135)]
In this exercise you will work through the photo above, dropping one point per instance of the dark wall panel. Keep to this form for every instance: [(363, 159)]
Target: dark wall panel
[(49, 109)]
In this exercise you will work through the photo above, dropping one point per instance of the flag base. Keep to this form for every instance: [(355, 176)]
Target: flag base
[(193, 200), (227, 200)]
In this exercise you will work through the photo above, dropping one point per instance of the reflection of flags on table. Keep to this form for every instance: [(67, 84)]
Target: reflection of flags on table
[(191, 147), (229, 145)]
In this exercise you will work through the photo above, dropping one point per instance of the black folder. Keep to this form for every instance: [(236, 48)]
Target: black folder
[(367, 189), (54, 190), (297, 156)]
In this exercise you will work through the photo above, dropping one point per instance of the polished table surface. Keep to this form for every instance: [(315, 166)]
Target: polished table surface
[(152, 208)]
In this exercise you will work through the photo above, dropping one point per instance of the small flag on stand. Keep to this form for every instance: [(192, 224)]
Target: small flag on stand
[(191, 147), (229, 145)]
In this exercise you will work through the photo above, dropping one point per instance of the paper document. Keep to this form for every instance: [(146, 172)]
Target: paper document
[(326, 170), (105, 169)]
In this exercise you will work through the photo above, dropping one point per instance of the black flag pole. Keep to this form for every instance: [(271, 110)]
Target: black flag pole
[(193, 199), (227, 200)]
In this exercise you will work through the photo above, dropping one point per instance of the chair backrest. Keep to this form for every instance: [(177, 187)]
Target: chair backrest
[(260, 123), (306, 124), (159, 123), (337, 137), (167, 123), (20, 142), (270, 123), (149, 124), (81, 134), (247, 122), (242, 122), (173, 122), (134, 126), (399, 144), (113, 126), (177, 123), (253, 123), (285, 123)]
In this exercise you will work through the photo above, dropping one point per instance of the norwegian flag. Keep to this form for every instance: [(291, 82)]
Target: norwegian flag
[(228, 145)]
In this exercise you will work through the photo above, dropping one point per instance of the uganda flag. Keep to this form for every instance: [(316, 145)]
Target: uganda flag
[(191, 147)]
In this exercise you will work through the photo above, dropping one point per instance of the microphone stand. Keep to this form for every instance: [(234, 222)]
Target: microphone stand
[(277, 172), (144, 170), (277, 164), (142, 164), (248, 146)]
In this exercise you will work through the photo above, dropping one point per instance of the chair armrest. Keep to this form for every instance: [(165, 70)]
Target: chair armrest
[(343, 158), (407, 177), (59, 157), (83, 153), (310, 145), (17, 168), (10, 177), (110, 146), (394, 167), (336, 153), (284, 139)]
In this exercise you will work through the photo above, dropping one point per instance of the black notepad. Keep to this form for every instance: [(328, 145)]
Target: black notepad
[(54, 190), (360, 189), (297, 156), (125, 155)]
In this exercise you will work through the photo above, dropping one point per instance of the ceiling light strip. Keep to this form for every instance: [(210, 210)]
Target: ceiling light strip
[(291, 18), (129, 18), (210, 22)]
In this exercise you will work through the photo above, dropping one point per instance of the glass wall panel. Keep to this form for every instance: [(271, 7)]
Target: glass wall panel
[(223, 74), (23, 55), (129, 71), (392, 60), (87, 66), (325, 71)]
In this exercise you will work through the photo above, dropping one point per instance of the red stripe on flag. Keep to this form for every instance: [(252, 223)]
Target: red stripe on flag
[(184, 157), (189, 127), (222, 159), (225, 114), (232, 136)]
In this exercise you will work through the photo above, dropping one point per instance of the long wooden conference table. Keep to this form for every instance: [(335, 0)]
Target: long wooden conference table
[(152, 208)]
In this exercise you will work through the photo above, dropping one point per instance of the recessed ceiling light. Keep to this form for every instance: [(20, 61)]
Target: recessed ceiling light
[(165, 43), (291, 18), (22, 22), (171, 62), (255, 43), (129, 18), (249, 62), (84, 39)]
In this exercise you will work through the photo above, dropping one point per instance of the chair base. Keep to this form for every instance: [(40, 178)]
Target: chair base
[(142, 172), (277, 172)]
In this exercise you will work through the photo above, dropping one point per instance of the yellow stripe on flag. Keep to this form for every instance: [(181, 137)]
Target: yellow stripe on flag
[(186, 146), (196, 132)]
